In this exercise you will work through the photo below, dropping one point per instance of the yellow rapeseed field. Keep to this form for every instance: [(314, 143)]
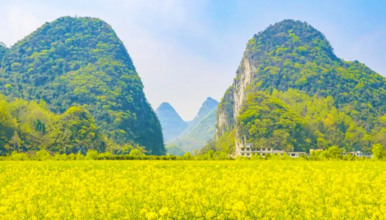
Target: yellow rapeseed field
[(192, 190)]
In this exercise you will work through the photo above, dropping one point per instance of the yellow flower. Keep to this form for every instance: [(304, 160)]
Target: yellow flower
[(192, 190)]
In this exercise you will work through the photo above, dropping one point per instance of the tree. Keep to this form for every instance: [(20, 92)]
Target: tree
[(378, 152), (334, 152), (136, 153), (269, 122), (15, 141), (82, 62), (186, 156), (92, 155), (77, 131), (42, 155)]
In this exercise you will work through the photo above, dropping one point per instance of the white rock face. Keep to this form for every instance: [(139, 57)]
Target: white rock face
[(244, 75), (237, 96), (222, 123), (225, 121)]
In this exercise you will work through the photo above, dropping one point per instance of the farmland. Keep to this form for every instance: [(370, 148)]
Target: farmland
[(292, 189)]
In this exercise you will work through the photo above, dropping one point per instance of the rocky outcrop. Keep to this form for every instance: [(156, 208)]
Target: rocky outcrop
[(234, 97)]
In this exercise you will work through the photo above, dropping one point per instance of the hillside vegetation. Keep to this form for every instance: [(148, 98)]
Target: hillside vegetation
[(295, 93), (81, 62)]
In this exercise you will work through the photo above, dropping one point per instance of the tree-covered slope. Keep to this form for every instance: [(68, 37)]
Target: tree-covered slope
[(294, 55), (82, 62), (172, 123), (200, 130), (30, 126)]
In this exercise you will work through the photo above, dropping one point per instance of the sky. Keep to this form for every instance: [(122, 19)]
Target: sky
[(186, 51)]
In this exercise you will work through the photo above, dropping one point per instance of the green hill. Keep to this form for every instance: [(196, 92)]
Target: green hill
[(82, 62), (30, 126), (293, 65), (208, 106), (172, 123), (200, 130)]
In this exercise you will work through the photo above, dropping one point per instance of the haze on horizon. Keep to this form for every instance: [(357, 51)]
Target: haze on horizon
[(186, 51)]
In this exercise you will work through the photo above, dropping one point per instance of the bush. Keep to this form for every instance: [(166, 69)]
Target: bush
[(18, 156), (79, 156), (378, 152), (136, 153), (43, 155), (92, 155)]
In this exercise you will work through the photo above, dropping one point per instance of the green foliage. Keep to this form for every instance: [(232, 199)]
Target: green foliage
[(76, 131), (187, 156), (267, 121), (309, 64), (378, 152), (174, 150), (312, 98), (292, 118), (92, 155), (42, 155), (334, 152), (79, 156), (226, 143), (82, 62), (136, 153), (30, 126), (18, 156)]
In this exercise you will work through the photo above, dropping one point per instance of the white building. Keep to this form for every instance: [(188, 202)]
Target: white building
[(359, 154), (248, 150)]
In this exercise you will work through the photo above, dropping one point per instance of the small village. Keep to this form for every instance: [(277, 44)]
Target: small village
[(247, 150)]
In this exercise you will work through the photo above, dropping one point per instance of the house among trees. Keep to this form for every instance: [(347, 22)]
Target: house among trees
[(247, 150), (359, 154)]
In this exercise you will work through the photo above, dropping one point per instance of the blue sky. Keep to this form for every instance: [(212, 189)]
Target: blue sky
[(187, 50)]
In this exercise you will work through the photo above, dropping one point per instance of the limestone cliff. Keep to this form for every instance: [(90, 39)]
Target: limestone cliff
[(294, 55)]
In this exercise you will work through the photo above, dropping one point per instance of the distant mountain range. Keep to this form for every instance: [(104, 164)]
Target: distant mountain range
[(183, 136), (171, 122)]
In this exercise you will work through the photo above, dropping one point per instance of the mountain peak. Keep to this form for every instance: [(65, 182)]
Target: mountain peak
[(210, 100), (200, 129), (291, 57), (75, 61), (207, 106), (165, 105), (289, 35), (171, 122)]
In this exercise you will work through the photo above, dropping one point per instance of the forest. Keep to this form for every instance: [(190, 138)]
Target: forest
[(31, 127), (81, 91), (301, 96), (71, 87)]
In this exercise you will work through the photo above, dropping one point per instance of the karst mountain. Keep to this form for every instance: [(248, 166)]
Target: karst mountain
[(80, 61)]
